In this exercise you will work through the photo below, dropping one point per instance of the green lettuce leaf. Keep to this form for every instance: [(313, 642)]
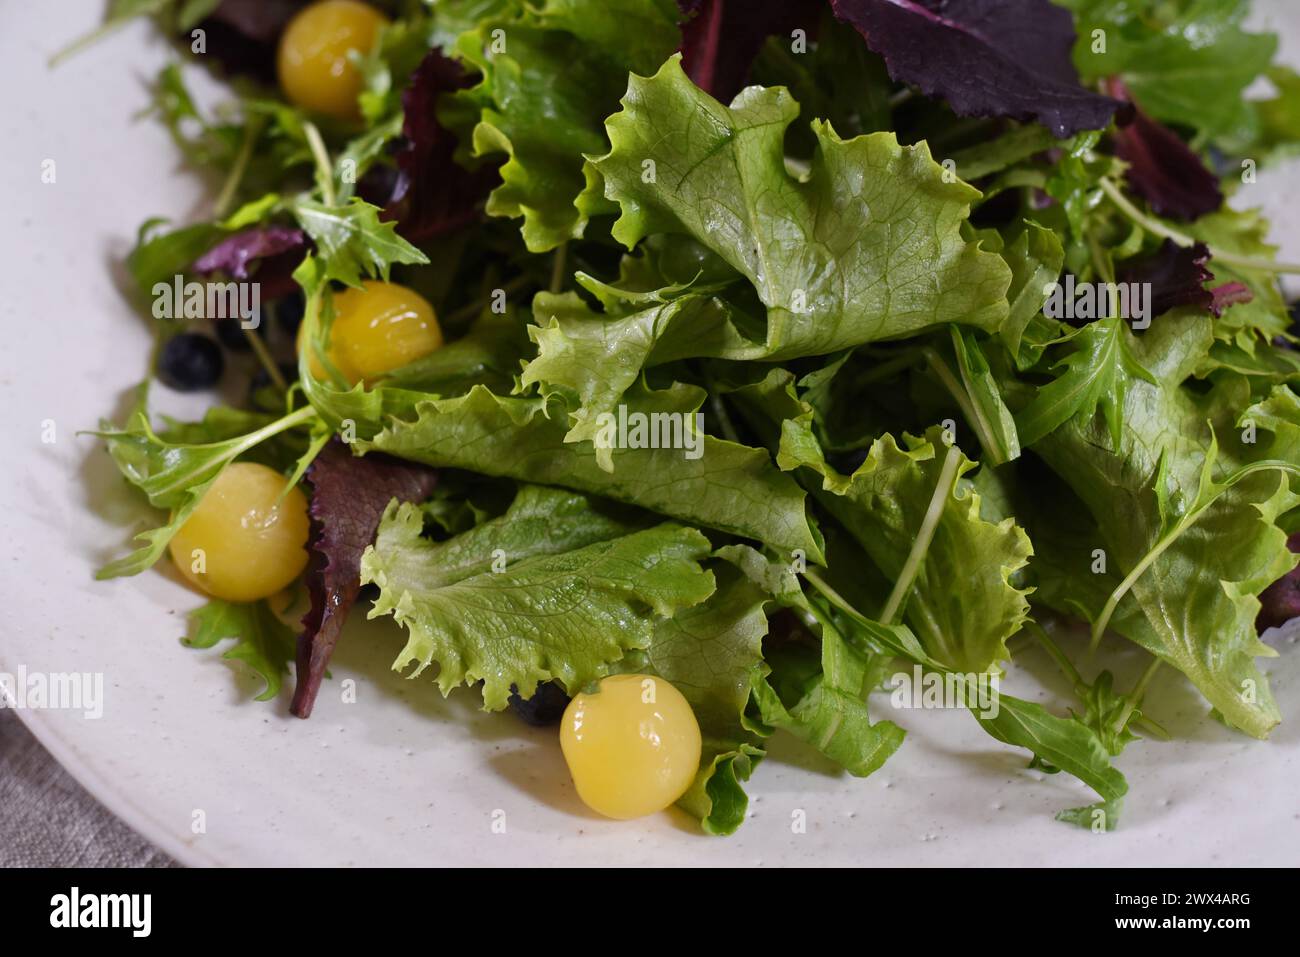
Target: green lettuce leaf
[(1188, 62), (729, 487), (866, 246), (711, 653), (1185, 514), (551, 73), (552, 590), (957, 592)]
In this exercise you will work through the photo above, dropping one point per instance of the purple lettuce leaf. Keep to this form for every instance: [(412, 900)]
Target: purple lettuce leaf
[(349, 495), (268, 254), (1177, 275), (1163, 170), (721, 38), (1280, 601), (433, 195), (1005, 58), (1229, 294)]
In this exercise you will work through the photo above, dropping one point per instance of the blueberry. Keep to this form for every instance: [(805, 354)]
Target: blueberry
[(190, 362), (288, 312), (231, 336), (546, 706)]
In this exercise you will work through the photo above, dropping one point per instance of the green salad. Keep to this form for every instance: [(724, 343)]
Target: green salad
[(690, 373)]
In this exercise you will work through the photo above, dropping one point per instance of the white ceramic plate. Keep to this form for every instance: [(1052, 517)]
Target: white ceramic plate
[(402, 776)]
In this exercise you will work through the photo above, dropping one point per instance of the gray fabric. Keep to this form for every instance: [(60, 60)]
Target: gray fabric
[(48, 820)]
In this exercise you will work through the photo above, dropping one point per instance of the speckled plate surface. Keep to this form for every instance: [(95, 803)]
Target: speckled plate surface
[(403, 776)]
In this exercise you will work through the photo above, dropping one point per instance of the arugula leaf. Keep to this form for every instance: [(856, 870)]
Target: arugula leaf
[(352, 240), (1186, 515), (566, 606), (865, 247), (175, 476), (1066, 744), (730, 487), (1097, 374), (263, 642)]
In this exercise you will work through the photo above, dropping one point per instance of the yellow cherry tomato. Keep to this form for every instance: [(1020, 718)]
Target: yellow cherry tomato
[(313, 64), (240, 544), (633, 748), (381, 327)]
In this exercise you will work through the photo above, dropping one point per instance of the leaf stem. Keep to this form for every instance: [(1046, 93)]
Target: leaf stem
[(236, 175), (1053, 649), (958, 392), (1157, 228), (1183, 524), (264, 357), (324, 168), (1135, 696), (924, 535)]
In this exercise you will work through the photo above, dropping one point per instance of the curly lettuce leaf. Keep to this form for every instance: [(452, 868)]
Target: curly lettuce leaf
[(961, 600), (550, 75), (865, 247), (710, 653), (729, 487), (506, 605)]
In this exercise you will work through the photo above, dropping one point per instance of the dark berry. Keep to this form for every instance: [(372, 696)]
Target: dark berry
[(230, 335), (288, 312), (546, 706), (190, 362)]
